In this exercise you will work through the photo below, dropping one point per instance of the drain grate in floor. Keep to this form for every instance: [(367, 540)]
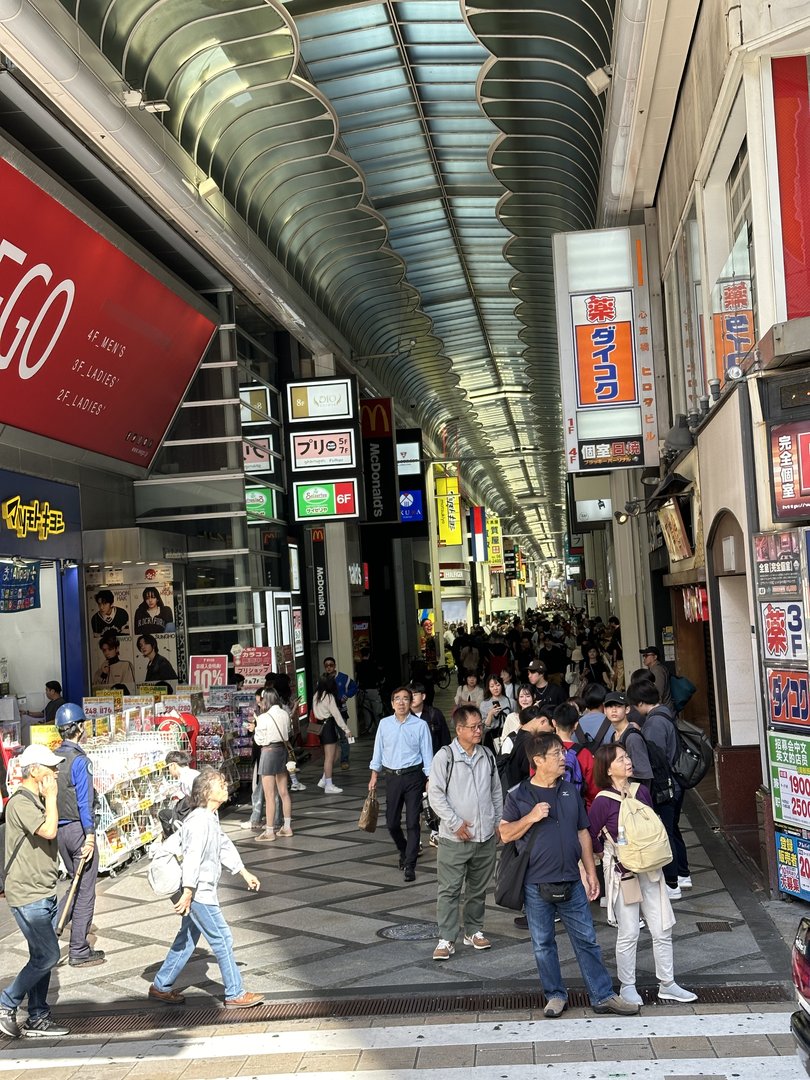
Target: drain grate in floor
[(714, 927), (412, 931), (98, 1023)]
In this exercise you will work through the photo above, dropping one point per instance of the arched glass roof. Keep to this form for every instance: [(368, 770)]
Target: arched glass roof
[(408, 162)]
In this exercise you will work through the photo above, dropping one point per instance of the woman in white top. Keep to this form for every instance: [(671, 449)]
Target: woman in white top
[(470, 693), (272, 730), (325, 709), (494, 708), (526, 696)]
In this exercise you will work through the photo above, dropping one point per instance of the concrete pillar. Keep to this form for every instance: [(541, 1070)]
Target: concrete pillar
[(340, 606), (631, 567)]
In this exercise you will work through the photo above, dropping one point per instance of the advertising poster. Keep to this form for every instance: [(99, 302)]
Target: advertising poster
[(45, 735), (99, 361), (361, 637), (788, 698), (427, 639), (790, 470), (208, 671), (790, 779), (254, 663), (132, 628), (777, 565), (301, 693), (448, 511), (793, 865), (784, 633), (494, 543), (19, 587), (298, 630)]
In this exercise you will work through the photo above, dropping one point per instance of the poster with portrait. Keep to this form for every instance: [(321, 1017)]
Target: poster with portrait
[(427, 640), (132, 627)]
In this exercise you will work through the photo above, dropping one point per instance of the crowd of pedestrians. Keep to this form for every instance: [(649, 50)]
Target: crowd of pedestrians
[(544, 748)]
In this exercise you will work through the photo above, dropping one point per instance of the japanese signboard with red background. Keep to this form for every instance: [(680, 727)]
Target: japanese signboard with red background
[(606, 349), (733, 324), (790, 470), (98, 361)]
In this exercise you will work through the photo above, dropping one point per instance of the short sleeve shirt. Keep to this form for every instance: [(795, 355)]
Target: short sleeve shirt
[(32, 873), (555, 847)]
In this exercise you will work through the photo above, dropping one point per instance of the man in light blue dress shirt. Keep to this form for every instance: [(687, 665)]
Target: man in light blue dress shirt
[(404, 752)]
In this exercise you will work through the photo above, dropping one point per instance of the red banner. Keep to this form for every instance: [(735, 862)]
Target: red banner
[(94, 351)]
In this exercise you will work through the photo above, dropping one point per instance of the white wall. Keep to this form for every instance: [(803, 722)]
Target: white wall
[(30, 641), (740, 686)]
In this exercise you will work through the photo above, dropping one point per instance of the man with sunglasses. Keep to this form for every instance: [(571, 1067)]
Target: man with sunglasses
[(465, 792)]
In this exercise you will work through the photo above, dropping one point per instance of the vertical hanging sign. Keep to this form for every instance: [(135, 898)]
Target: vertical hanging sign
[(448, 510), (494, 543), (323, 629), (380, 459), (478, 533)]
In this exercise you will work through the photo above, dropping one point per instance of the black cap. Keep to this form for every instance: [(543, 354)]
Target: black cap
[(614, 698), (537, 665), (650, 649)]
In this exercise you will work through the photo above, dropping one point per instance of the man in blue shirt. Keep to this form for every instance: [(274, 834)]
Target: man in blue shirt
[(404, 752), (553, 885), (347, 688), (75, 800)]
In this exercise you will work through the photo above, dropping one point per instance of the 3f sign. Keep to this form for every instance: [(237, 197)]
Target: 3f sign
[(26, 329)]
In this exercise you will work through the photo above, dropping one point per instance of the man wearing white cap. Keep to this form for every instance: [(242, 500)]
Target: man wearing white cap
[(30, 858)]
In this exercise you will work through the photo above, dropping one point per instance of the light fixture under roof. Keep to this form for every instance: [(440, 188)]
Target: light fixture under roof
[(599, 80), (134, 99)]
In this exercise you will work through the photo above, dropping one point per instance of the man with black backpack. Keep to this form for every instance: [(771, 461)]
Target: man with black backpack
[(659, 730)]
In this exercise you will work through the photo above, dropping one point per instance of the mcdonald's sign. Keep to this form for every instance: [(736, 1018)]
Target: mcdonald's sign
[(379, 460)]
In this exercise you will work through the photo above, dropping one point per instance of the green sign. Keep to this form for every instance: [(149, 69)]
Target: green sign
[(790, 778), (327, 499), (301, 691), (260, 503)]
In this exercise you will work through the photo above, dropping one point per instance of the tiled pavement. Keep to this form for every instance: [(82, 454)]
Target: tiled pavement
[(314, 931)]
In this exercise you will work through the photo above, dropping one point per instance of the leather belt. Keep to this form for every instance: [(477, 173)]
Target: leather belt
[(402, 772)]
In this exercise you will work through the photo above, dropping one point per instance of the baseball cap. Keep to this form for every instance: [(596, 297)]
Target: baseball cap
[(650, 649), (537, 665), (614, 698), (38, 755)]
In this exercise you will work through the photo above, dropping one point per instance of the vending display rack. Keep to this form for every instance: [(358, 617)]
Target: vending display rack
[(133, 783)]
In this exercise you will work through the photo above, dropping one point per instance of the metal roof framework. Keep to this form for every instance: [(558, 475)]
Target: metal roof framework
[(408, 162)]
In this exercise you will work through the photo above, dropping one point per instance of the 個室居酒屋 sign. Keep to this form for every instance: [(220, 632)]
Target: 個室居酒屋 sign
[(95, 352)]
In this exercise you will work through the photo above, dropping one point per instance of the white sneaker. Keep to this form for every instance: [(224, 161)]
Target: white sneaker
[(673, 992), (332, 789), (252, 826), (602, 901), (630, 994), (299, 787), (685, 882), (674, 894), (322, 782)]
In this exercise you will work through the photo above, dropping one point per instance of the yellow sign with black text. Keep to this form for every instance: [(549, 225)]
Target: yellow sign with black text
[(448, 511)]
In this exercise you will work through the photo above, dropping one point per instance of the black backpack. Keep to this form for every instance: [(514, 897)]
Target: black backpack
[(695, 754), (662, 788)]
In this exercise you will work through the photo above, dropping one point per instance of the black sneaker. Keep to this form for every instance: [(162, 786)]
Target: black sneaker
[(410, 873), (44, 1028), (402, 862), (8, 1024), (93, 959)]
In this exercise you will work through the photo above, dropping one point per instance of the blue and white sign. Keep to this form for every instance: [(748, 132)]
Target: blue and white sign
[(411, 506), (793, 865), (19, 586), (783, 626)]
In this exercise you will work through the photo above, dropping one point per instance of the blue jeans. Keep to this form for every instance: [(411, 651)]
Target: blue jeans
[(36, 921), (576, 916), (206, 919)]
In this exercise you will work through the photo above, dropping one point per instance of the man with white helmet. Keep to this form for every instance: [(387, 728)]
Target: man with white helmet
[(76, 799)]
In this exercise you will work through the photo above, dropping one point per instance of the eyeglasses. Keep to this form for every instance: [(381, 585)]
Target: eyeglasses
[(555, 753), (473, 727), (401, 700)]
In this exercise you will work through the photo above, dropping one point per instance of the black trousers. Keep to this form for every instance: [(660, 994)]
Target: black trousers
[(670, 814), (404, 791), (70, 839)]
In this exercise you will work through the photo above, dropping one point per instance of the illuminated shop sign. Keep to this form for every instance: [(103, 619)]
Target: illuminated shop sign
[(325, 500), (320, 399), (605, 349), (317, 450), (39, 518)]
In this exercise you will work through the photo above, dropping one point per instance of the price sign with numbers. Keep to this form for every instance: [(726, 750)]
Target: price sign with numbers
[(793, 865)]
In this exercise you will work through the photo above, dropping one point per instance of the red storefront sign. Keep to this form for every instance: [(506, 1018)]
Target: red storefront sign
[(94, 351), (791, 103), (790, 470)]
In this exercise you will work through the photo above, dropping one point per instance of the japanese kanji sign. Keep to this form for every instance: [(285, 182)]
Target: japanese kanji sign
[(784, 635), (606, 349), (790, 778), (788, 697), (733, 324), (777, 565), (605, 358), (793, 864), (790, 470)]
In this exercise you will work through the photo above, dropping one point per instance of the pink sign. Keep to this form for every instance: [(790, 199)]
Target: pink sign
[(208, 671), (254, 663), (323, 450)]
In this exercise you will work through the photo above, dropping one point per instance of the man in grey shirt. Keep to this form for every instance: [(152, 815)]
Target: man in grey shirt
[(651, 659), (465, 792)]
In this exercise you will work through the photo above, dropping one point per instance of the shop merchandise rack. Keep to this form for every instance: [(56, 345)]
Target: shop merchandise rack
[(133, 783)]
